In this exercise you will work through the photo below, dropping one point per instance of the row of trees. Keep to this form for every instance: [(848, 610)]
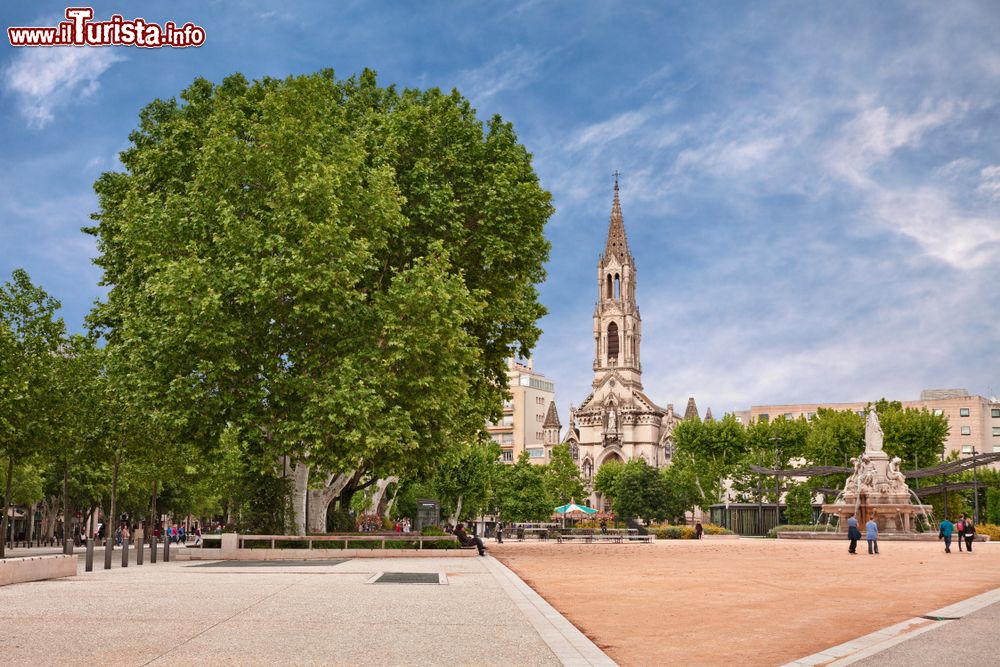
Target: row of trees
[(473, 481), (719, 453), (313, 285)]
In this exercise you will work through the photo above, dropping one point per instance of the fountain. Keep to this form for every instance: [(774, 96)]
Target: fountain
[(878, 488)]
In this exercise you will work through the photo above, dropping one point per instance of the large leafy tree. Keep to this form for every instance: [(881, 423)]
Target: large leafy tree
[(333, 269), (30, 334), (915, 436)]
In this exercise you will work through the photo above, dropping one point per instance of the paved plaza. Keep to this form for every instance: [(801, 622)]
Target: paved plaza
[(185, 612), (750, 602)]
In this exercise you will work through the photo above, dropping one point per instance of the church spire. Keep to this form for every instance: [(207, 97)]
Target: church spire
[(617, 244)]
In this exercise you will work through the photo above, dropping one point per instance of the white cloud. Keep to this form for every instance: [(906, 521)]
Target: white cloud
[(45, 79), (509, 70), (875, 134), (989, 184)]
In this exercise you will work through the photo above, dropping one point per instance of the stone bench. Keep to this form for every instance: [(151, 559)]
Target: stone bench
[(36, 568)]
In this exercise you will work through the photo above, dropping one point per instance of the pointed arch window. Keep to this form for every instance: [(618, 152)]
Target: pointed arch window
[(618, 287), (608, 291), (612, 340)]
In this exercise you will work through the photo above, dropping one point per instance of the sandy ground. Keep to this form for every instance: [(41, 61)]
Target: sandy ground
[(743, 602)]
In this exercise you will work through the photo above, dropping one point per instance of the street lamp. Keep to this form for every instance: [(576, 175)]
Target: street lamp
[(975, 488), (777, 486)]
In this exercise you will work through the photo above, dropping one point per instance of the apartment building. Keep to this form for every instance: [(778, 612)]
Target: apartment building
[(522, 426), (974, 420)]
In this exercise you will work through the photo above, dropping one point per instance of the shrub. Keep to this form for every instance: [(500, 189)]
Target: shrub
[(667, 532), (437, 544), (991, 529)]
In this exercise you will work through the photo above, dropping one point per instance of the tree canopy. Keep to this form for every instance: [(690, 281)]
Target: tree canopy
[(333, 268)]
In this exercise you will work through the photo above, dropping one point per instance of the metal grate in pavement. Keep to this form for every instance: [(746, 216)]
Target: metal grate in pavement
[(408, 578)]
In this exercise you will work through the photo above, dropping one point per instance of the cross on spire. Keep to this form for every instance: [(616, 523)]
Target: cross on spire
[(617, 244)]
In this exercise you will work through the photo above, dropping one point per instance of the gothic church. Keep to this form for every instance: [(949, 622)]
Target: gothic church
[(617, 421)]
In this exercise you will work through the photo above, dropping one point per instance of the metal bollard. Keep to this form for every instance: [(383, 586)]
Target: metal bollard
[(138, 552), (124, 553), (166, 550), (109, 548), (153, 546), (89, 567)]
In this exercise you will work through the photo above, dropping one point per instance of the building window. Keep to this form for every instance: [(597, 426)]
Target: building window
[(763, 417), (996, 431), (507, 438), (861, 413), (608, 292), (538, 418), (996, 413), (967, 449), (787, 416), (612, 340), (963, 412), (536, 452), (996, 449), (508, 420), (966, 430), (937, 413), (810, 415), (507, 456)]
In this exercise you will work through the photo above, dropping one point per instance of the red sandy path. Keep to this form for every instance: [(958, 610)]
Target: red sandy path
[(743, 602)]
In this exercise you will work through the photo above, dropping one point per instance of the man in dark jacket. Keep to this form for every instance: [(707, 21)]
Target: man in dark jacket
[(853, 534), (467, 540)]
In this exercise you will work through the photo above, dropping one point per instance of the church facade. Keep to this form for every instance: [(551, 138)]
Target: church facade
[(618, 421)]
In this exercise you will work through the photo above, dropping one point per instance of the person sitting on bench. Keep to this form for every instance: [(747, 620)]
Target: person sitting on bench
[(467, 540)]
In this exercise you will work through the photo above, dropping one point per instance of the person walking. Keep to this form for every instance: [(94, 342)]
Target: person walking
[(970, 532), (960, 531), (944, 533), (699, 530), (499, 532), (853, 534), (871, 534)]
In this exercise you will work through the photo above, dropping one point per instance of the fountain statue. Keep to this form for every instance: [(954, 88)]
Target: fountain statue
[(877, 487)]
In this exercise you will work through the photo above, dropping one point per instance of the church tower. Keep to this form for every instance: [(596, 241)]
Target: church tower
[(617, 325)]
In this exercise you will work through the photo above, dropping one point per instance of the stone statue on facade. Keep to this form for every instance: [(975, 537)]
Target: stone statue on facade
[(612, 421), (873, 432)]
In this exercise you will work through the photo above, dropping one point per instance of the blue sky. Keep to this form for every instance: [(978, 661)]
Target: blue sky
[(811, 190)]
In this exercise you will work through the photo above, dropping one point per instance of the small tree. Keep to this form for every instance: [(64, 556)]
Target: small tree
[(799, 505), (641, 492), (606, 479), (562, 477), (993, 506), (521, 493)]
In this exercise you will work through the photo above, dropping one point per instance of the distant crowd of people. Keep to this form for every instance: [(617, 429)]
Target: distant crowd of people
[(965, 528)]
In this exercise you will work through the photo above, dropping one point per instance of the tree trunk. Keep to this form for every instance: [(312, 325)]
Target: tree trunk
[(300, 487), (320, 499), (458, 511), (50, 507), (67, 513), (379, 496), (153, 517), (29, 532), (6, 506), (112, 519)]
